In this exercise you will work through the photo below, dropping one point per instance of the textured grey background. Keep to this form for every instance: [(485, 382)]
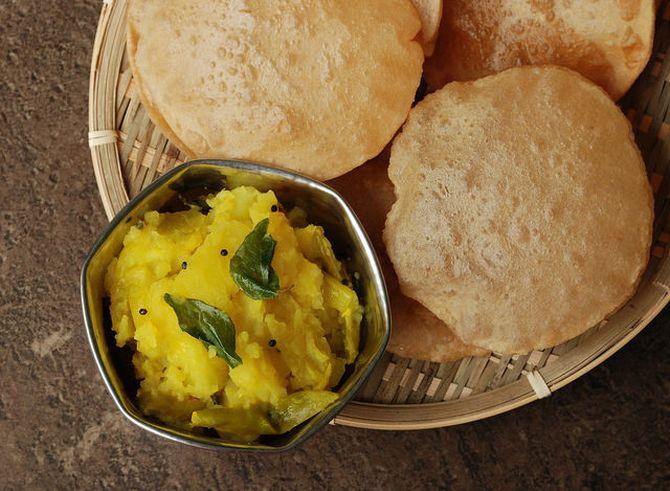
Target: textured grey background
[(58, 427)]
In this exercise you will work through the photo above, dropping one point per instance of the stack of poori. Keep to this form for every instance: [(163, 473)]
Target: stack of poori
[(515, 212)]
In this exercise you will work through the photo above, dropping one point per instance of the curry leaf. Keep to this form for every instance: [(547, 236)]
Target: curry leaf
[(208, 324), (250, 266)]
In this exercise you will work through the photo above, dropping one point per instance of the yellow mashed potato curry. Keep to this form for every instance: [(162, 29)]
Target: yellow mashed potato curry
[(239, 321)]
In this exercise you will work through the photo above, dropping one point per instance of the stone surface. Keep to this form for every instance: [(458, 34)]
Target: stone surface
[(59, 428)]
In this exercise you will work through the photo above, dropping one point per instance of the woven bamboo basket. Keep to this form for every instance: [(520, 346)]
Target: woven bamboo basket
[(129, 152)]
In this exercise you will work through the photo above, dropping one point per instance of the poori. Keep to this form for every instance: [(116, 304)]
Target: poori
[(523, 213), (313, 86), (607, 41)]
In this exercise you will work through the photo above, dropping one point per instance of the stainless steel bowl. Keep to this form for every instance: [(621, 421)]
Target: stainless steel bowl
[(198, 178)]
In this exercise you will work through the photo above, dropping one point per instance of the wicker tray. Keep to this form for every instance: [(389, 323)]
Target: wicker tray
[(129, 152)]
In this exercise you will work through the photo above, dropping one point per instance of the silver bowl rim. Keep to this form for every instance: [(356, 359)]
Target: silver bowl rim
[(255, 168)]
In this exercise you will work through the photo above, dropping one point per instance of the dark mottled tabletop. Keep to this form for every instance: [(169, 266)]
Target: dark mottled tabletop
[(60, 429)]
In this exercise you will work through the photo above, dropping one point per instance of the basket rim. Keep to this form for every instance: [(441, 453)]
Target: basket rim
[(348, 417), (357, 413)]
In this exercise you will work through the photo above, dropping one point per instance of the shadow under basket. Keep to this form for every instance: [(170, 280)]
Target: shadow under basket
[(129, 152)]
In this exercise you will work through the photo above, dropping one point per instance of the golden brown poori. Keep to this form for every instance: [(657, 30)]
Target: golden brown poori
[(607, 41), (313, 86), (523, 213)]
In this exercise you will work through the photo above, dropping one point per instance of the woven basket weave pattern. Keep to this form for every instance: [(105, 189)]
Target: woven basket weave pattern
[(129, 152)]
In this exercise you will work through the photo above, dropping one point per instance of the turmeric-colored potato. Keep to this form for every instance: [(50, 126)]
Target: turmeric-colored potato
[(294, 346)]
